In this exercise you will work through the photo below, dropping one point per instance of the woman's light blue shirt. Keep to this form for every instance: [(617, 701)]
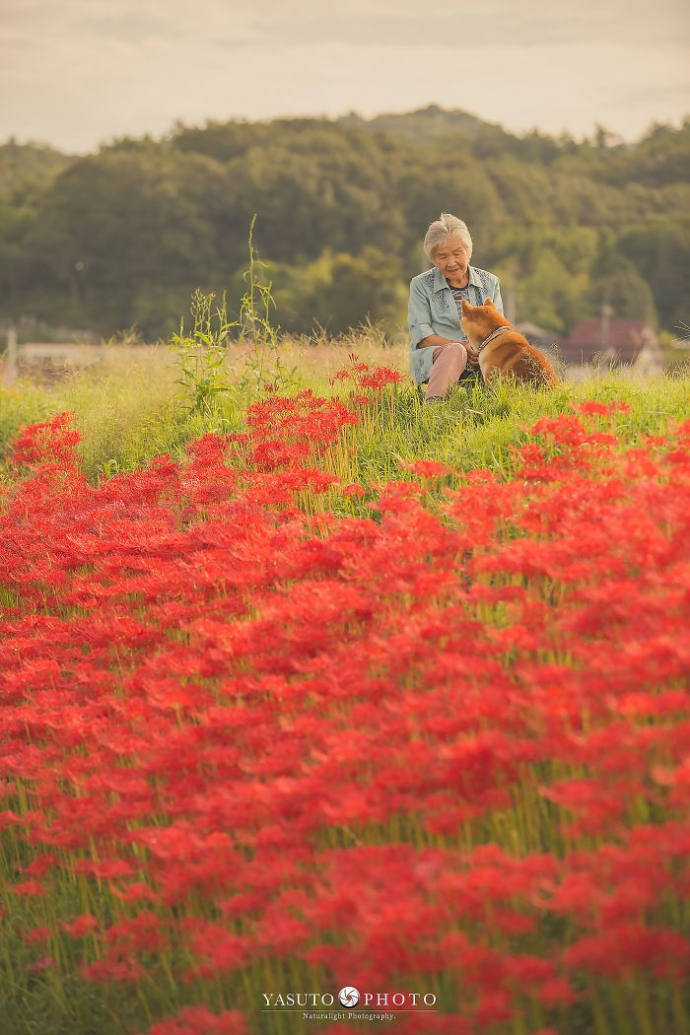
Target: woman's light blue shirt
[(433, 311)]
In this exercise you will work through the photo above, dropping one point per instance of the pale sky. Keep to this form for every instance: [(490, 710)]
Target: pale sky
[(77, 73)]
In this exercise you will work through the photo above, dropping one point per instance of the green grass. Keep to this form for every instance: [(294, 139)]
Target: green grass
[(480, 427), (126, 415), (19, 405), (130, 409)]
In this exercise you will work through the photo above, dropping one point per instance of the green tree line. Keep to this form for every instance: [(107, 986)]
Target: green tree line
[(122, 237)]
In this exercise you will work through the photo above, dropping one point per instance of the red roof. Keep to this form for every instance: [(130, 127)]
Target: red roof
[(626, 338)]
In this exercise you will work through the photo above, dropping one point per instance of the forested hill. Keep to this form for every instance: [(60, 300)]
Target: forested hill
[(419, 127), (122, 237), (25, 168)]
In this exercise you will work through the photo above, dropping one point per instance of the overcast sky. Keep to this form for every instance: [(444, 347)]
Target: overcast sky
[(75, 73)]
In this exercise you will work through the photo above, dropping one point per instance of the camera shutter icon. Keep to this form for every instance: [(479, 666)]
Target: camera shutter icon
[(348, 996)]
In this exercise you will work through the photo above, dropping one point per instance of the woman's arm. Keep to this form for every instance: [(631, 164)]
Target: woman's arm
[(419, 315), (436, 339)]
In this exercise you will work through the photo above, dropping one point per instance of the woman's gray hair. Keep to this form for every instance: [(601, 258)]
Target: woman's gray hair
[(443, 227)]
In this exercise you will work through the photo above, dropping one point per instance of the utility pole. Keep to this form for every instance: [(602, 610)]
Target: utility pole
[(606, 353), (605, 325), (510, 303), (9, 374)]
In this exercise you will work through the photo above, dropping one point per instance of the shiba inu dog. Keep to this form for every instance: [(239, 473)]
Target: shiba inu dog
[(502, 349)]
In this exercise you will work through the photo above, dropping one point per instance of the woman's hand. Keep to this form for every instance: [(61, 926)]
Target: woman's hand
[(472, 354)]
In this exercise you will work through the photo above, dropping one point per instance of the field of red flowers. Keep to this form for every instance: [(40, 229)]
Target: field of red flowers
[(438, 748)]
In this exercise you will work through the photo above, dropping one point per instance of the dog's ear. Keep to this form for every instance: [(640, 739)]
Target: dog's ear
[(466, 307), (487, 301)]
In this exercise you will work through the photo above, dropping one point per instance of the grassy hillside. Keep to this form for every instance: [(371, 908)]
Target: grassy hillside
[(129, 410)]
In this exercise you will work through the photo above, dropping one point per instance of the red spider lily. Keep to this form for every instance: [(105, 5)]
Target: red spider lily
[(113, 967), (353, 489), (9, 818), (141, 933), (624, 948), (381, 377), (447, 742), (28, 888), (494, 1008), (427, 468), (199, 1020), (601, 409), (52, 442), (82, 925), (38, 934)]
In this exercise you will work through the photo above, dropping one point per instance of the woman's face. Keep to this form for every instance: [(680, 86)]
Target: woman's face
[(451, 258)]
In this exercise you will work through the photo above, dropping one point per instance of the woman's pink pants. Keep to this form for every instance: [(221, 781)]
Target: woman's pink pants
[(449, 362)]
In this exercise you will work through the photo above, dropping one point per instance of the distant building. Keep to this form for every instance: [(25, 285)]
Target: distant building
[(536, 335), (612, 342)]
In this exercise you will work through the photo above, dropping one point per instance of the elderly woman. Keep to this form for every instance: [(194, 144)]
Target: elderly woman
[(439, 351)]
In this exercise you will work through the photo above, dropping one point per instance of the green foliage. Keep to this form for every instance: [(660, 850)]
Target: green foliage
[(448, 178), (662, 158), (621, 285), (264, 363), (123, 237), (200, 357), (116, 223), (551, 294), (662, 256), (26, 169), (338, 291)]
